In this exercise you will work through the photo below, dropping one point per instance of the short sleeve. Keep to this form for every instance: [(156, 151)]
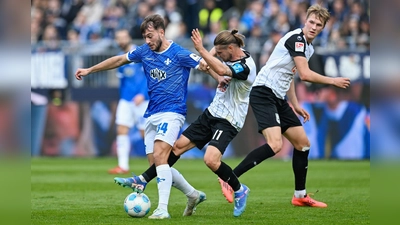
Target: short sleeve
[(296, 45), (135, 55), (189, 59)]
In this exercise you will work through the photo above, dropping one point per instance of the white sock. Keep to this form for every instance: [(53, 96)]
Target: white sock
[(123, 149), (180, 183), (300, 194), (240, 189), (164, 182)]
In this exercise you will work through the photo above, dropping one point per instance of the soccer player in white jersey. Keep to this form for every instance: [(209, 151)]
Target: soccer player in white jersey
[(131, 105), (167, 67), (225, 116), (274, 115)]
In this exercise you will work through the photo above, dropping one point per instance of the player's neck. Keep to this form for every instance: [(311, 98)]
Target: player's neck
[(239, 54), (164, 45)]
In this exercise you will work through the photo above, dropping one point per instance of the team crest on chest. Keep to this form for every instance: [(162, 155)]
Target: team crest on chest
[(167, 62)]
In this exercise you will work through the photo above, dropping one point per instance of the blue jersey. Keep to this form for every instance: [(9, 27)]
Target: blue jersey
[(167, 76), (132, 81)]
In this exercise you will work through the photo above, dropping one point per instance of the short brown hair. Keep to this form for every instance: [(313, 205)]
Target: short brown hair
[(320, 12), (155, 20), (227, 37)]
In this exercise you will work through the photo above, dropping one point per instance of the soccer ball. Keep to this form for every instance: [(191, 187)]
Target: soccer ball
[(137, 204)]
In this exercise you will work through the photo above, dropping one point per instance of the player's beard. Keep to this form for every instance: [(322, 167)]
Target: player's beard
[(158, 44)]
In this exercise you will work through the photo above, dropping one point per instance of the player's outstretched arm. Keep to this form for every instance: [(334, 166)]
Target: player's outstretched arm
[(308, 75), (110, 63), (216, 65)]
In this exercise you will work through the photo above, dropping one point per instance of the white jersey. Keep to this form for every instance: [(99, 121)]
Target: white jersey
[(233, 103), (279, 71)]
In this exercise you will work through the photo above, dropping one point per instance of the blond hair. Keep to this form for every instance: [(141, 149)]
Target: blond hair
[(227, 37), (320, 12)]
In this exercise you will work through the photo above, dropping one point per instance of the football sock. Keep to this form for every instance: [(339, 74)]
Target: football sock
[(240, 189), (300, 193), (254, 158), (300, 166), (164, 182), (180, 183), (123, 149), (226, 174), (142, 178), (151, 173)]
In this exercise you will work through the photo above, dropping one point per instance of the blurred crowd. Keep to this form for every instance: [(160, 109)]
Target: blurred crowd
[(262, 21)]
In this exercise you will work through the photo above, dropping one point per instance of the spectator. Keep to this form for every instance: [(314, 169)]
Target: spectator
[(269, 46), (174, 17), (208, 15), (253, 16), (143, 10)]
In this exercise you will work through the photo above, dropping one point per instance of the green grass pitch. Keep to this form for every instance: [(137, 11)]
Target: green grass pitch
[(79, 191)]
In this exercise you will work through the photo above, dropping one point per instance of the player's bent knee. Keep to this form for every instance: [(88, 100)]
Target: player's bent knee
[(303, 148), (304, 145), (276, 147), (211, 163)]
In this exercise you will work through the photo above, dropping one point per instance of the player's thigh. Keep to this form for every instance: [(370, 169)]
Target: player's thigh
[(149, 136), (263, 104), (199, 132), (222, 134), (167, 126), (182, 145), (288, 117), (298, 137), (124, 114)]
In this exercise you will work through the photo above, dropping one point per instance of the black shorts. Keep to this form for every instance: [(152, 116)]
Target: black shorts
[(217, 132), (271, 111)]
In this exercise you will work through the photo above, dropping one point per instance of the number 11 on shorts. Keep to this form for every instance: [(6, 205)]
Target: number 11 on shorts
[(217, 134)]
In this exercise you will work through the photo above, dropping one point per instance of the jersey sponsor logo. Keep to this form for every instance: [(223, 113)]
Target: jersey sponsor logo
[(299, 46), (237, 67), (167, 62), (195, 57), (158, 74)]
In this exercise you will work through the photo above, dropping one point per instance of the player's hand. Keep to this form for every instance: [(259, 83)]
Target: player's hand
[(81, 73), (303, 113), (203, 66), (197, 40), (341, 82), (223, 82)]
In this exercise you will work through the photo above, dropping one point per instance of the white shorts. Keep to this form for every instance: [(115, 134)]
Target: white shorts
[(162, 126), (129, 114)]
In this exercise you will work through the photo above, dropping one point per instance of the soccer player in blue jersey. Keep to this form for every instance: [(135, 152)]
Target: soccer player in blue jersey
[(131, 105), (167, 67), (225, 116)]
